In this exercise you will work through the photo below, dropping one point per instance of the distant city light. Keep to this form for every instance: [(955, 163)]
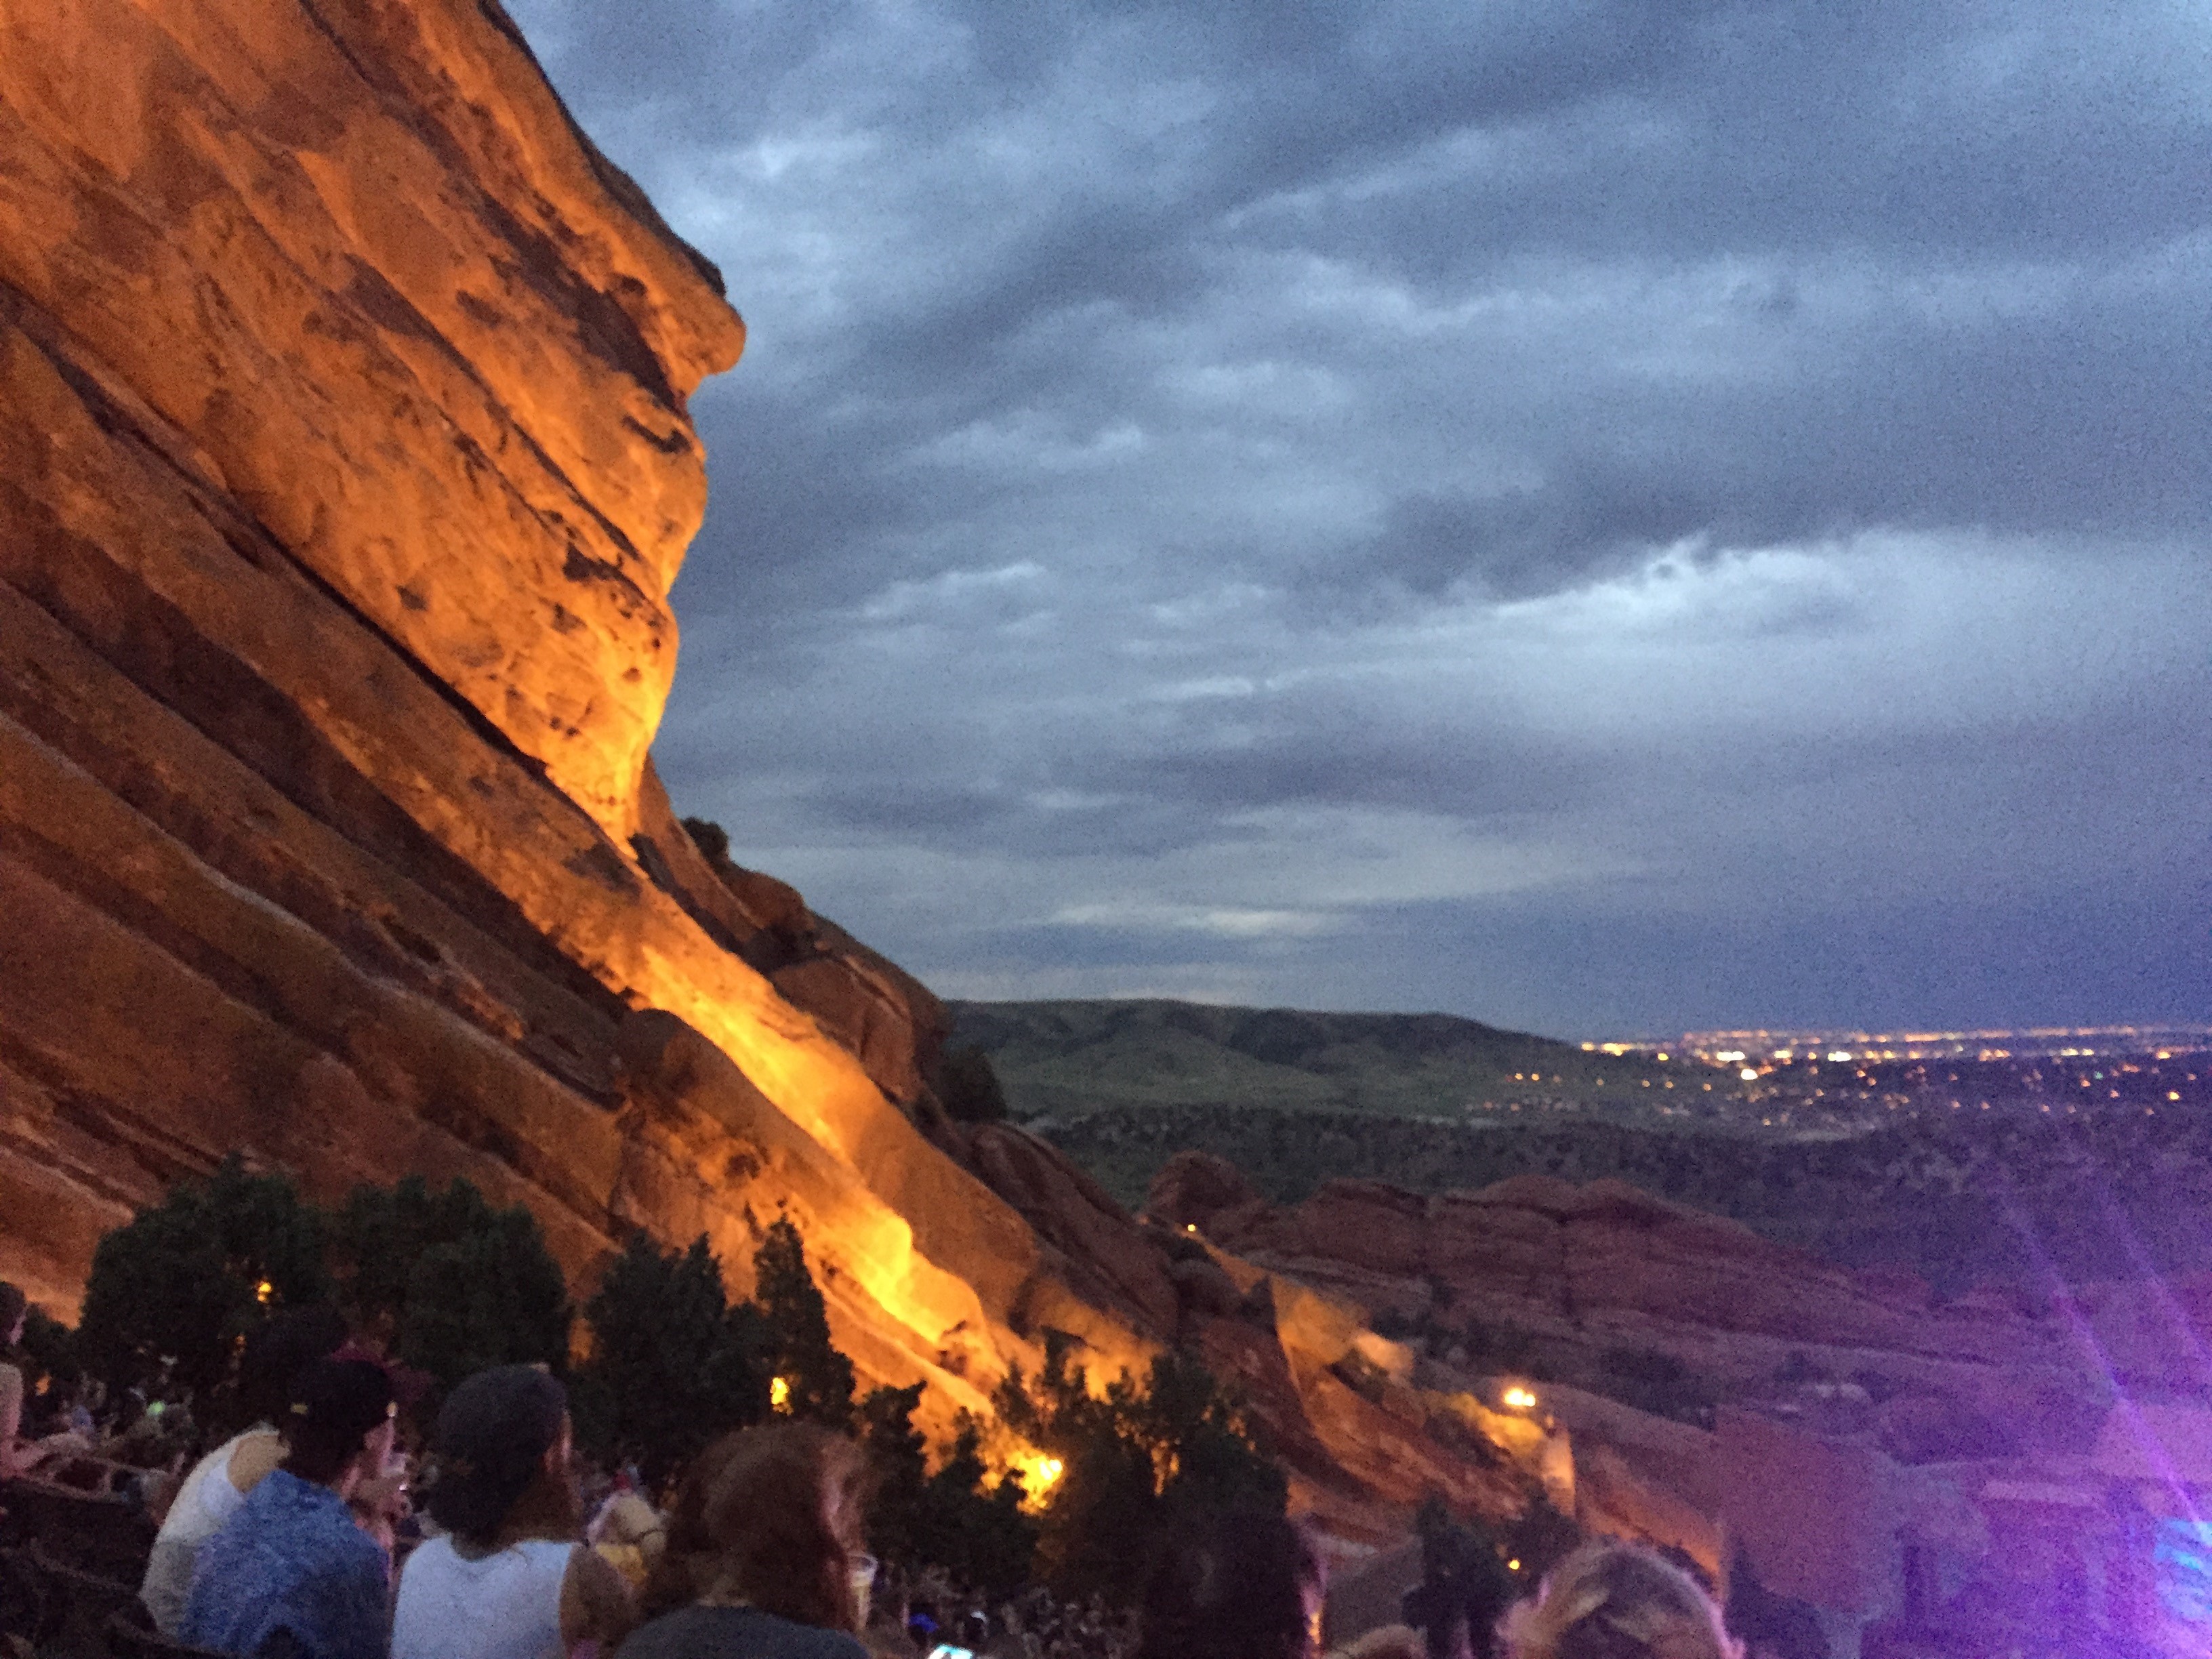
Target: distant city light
[(1519, 1399), (1749, 1074), (1841, 1056), (779, 1393)]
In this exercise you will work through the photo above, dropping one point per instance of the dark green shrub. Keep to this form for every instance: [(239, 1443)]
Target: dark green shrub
[(453, 1284), (673, 1365), (174, 1290), (816, 1380)]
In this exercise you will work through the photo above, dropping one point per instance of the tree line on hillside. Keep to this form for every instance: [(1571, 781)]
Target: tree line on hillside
[(447, 1283)]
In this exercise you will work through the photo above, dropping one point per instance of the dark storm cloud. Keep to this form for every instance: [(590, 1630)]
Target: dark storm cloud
[(1323, 503)]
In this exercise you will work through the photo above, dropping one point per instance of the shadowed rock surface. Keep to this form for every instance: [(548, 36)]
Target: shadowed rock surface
[(1608, 1287)]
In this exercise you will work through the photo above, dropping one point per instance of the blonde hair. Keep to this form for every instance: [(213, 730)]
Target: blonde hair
[(1612, 1600)]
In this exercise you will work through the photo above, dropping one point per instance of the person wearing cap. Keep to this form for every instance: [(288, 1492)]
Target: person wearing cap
[(290, 1574), (508, 1578), (275, 1353)]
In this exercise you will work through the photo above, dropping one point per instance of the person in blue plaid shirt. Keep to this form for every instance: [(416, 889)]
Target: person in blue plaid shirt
[(292, 1575)]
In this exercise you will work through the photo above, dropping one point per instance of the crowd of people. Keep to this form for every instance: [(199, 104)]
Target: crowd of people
[(305, 1536)]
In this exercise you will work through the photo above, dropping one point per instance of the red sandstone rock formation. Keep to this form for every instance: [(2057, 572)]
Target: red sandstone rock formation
[(344, 469), (1582, 1270)]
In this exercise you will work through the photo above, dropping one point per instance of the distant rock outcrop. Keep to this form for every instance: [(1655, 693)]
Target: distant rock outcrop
[(1583, 1275)]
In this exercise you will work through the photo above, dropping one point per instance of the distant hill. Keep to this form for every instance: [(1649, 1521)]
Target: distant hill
[(1430, 1102), (1066, 1060)]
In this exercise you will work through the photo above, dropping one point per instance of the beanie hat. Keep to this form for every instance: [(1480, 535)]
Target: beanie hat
[(493, 1433), (334, 1404), (343, 1398)]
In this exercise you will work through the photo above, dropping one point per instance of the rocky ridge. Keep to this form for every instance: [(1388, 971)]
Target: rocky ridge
[(346, 467), (1570, 1281)]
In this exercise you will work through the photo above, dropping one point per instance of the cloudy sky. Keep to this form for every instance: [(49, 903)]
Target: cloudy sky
[(1604, 517)]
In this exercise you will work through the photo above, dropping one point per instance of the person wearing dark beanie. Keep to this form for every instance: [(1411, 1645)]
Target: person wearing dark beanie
[(510, 1578), (290, 1573)]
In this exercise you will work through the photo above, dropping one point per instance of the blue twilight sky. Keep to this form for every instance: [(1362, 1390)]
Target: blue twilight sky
[(1601, 517)]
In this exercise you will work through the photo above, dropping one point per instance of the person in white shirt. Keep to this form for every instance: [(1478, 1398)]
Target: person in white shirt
[(509, 1577), (274, 1355)]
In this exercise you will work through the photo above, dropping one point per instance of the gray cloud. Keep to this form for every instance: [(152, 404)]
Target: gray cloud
[(1540, 510)]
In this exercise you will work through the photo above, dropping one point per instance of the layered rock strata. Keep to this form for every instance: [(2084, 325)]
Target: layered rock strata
[(344, 468), (343, 474), (344, 471)]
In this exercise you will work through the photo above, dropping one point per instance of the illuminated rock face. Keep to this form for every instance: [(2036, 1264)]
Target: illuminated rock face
[(352, 257), (344, 467)]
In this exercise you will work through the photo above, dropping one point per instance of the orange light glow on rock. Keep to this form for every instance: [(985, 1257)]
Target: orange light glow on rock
[(1040, 1473)]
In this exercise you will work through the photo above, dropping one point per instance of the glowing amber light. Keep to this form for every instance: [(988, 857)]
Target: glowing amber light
[(779, 1393), (1519, 1399), (1038, 1473), (1514, 1566), (263, 1292)]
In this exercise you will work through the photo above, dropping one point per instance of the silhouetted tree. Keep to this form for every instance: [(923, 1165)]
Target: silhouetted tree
[(178, 1287), (1539, 1538), (899, 1458), (673, 1365), (968, 1086), (1136, 1463), (957, 1520), (1465, 1583), (709, 837), (816, 1379), (453, 1284), (49, 1355)]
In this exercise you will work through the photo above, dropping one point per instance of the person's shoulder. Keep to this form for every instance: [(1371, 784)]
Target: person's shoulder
[(784, 1638), (702, 1632), (251, 1458), (430, 1557), (674, 1632), (315, 1516)]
